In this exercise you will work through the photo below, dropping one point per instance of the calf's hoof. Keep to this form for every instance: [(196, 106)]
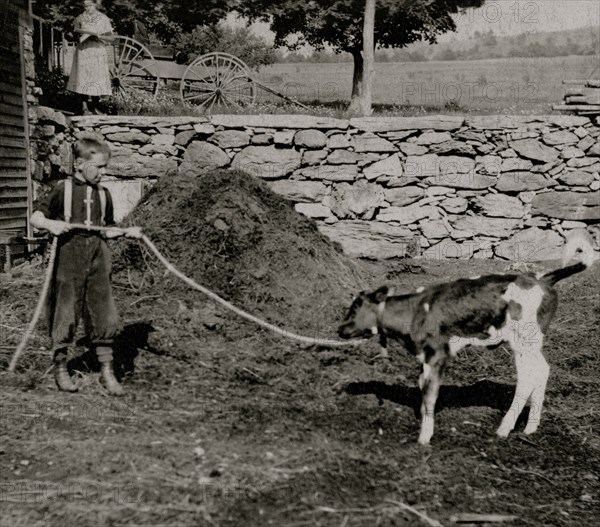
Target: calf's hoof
[(503, 432), (531, 429)]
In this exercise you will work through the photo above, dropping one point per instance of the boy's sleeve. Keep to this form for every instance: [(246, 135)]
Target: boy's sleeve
[(52, 205), (109, 216)]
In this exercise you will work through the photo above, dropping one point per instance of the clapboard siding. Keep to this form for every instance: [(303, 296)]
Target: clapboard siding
[(13, 152), (13, 193), (12, 142), (14, 161), (11, 109), (12, 120), (10, 68), (10, 89), (12, 132)]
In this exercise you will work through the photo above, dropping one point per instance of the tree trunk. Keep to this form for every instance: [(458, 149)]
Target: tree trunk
[(357, 75), (362, 89)]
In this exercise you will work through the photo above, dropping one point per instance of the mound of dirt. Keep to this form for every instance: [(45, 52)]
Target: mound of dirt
[(228, 231)]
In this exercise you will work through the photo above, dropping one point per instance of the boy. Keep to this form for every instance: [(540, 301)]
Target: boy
[(81, 283)]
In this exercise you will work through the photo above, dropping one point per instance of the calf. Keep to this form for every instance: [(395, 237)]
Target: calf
[(435, 323)]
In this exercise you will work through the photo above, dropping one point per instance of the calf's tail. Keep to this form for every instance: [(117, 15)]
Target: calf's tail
[(578, 245)]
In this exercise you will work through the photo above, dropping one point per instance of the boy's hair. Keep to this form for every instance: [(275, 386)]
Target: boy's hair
[(85, 147)]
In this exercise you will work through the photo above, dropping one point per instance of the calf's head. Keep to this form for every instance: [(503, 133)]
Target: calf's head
[(361, 320)]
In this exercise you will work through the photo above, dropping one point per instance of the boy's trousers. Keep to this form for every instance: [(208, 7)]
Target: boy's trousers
[(81, 289)]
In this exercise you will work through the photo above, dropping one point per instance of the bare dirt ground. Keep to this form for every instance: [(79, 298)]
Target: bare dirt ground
[(225, 424)]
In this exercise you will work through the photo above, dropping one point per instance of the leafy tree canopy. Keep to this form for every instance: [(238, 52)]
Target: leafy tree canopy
[(338, 23), (165, 18)]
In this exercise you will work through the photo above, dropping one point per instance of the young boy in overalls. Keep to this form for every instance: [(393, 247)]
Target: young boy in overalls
[(81, 282)]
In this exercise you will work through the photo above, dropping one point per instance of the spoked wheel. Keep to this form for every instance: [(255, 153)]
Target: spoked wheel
[(218, 79), (133, 70)]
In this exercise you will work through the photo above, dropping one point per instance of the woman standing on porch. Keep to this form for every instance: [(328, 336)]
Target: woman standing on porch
[(90, 74)]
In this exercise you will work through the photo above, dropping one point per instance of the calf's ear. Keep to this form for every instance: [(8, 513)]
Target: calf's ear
[(380, 295)]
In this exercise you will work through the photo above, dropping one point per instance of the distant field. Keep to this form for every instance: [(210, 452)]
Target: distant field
[(515, 85)]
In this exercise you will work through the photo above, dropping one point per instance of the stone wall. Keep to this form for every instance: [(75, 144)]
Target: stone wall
[(440, 186)]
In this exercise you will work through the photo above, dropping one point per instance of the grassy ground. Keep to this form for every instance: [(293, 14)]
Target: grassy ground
[(516, 85), (493, 86), (220, 429)]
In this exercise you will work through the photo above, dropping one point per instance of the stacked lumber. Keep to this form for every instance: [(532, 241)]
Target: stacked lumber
[(583, 98)]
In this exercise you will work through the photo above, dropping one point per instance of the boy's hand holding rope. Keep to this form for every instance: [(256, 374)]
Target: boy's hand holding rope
[(136, 232)]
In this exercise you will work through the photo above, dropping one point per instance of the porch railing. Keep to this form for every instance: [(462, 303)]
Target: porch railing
[(49, 43)]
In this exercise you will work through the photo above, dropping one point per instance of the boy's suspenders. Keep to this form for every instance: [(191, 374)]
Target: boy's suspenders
[(68, 202), (102, 193)]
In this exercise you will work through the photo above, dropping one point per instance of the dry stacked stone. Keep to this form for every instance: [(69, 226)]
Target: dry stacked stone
[(506, 187)]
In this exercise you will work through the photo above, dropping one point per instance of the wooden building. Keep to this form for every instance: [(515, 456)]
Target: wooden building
[(15, 173)]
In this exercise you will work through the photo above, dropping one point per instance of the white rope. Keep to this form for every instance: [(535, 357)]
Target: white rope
[(240, 312), (38, 308), (192, 283)]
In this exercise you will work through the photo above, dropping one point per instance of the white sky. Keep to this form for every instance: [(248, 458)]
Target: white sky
[(511, 17)]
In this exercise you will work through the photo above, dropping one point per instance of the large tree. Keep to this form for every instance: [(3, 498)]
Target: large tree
[(167, 17), (339, 24)]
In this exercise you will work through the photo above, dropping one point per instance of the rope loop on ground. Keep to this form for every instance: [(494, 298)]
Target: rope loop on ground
[(193, 284), (173, 270)]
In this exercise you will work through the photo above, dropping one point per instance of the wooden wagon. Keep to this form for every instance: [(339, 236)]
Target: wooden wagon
[(215, 79)]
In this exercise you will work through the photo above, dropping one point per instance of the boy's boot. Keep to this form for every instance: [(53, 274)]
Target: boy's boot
[(105, 358), (61, 374)]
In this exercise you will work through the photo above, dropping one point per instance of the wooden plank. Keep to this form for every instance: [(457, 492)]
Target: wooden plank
[(590, 83), (8, 98), (7, 66), (13, 163), (12, 131), (13, 223), (14, 173), (10, 88), (11, 152), (12, 142), (15, 182), (9, 77), (12, 120), (590, 99), (593, 98), (19, 212), (9, 192), (11, 109), (22, 29), (575, 107), (12, 203)]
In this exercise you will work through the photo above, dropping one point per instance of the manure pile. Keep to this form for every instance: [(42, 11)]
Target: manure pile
[(228, 231)]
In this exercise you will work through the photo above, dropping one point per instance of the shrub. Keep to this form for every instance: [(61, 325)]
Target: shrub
[(241, 42), (53, 83)]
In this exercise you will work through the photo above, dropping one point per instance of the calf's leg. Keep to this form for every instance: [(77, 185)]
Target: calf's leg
[(532, 375), (429, 382)]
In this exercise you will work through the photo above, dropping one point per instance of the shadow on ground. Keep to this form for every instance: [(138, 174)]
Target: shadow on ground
[(126, 348), (482, 393)]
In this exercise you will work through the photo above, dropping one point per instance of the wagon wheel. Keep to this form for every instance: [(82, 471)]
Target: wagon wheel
[(218, 79), (133, 69)]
